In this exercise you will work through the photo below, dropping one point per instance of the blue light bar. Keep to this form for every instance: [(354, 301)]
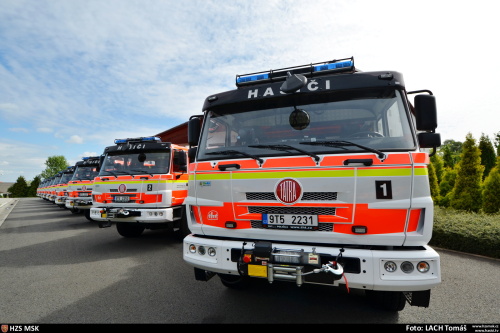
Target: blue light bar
[(250, 78), (85, 158), (332, 66), (141, 139)]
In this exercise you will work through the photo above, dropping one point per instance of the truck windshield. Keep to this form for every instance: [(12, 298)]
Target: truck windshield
[(120, 163), (85, 173), (360, 121)]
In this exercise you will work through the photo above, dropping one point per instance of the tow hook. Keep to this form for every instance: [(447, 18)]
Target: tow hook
[(123, 212)]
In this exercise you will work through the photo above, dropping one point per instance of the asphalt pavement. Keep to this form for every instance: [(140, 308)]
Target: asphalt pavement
[(6, 206)]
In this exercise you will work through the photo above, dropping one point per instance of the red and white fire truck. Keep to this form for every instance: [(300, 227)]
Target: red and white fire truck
[(142, 184), (315, 174), (80, 186)]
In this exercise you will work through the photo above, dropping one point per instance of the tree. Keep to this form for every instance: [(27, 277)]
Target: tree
[(433, 182), (19, 189), (446, 186), (467, 193), (488, 158), (497, 143), (450, 151), (33, 187), (54, 165), (491, 190), (437, 162)]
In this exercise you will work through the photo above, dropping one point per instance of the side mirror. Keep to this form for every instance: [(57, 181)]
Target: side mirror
[(192, 153), (426, 112), (194, 129)]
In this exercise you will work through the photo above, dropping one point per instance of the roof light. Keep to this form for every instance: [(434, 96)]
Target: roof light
[(334, 66), (310, 70), (141, 139)]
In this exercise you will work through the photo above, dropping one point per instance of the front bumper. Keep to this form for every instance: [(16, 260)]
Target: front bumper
[(158, 215), (362, 268)]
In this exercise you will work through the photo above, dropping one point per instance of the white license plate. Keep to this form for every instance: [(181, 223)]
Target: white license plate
[(290, 221), (122, 198), (84, 194)]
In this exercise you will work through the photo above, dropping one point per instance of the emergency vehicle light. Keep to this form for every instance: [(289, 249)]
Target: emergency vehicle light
[(309, 70), (141, 139)]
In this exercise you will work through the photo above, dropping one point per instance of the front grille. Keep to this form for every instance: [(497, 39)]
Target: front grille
[(115, 190), (292, 210), (307, 196)]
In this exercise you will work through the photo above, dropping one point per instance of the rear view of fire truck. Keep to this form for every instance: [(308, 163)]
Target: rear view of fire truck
[(142, 184), (80, 186), (315, 174)]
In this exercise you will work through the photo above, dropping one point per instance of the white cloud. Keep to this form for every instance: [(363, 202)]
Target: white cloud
[(75, 139)]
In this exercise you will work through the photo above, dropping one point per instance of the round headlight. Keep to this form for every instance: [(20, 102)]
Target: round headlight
[(423, 267), (192, 248), (390, 266), (211, 251), (201, 250), (407, 267)]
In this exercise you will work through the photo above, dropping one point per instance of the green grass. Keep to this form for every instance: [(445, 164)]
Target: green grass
[(475, 233)]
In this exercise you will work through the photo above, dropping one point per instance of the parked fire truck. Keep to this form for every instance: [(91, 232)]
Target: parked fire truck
[(80, 186), (315, 174), (62, 187), (142, 184)]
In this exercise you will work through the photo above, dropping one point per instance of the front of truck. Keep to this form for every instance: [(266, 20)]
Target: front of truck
[(308, 166), (80, 186), (62, 187), (139, 186)]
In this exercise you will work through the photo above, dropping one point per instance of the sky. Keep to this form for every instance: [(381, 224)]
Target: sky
[(77, 74)]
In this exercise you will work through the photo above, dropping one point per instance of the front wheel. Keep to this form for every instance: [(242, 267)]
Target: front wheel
[(129, 229), (389, 300), (234, 281)]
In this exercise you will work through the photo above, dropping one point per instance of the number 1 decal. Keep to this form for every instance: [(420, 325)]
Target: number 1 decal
[(383, 189)]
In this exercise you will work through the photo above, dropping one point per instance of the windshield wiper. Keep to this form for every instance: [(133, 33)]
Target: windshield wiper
[(236, 152), (287, 147), (343, 143), (143, 171)]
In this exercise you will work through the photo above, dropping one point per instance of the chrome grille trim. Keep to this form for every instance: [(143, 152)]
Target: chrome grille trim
[(292, 210), (327, 227), (307, 196)]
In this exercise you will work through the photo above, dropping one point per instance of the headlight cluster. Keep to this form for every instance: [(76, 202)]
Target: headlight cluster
[(407, 266), (155, 213), (202, 250)]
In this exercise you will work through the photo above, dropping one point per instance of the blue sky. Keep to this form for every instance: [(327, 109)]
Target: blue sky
[(77, 74)]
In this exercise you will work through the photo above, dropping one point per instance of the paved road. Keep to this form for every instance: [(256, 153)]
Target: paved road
[(57, 267)]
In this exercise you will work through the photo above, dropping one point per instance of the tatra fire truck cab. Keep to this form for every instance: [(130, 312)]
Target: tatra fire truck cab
[(80, 186), (315, 174), (62, 187), (142, 184)]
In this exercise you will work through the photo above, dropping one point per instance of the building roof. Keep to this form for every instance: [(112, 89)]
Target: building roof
[(5, 186)]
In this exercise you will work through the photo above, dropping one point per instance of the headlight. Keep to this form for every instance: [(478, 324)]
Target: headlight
[(201, 250), (407, 267), (390, 266), (192, 248), (211, 251)]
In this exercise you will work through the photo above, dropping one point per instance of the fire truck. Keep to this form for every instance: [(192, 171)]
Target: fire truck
[(80, 186), (62, 187), (315, 174), (142, 184)]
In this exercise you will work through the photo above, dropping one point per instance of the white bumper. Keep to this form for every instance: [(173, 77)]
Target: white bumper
[(159, 215), (372, 275)]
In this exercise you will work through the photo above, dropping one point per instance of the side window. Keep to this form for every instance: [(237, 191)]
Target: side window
[(216, 135)]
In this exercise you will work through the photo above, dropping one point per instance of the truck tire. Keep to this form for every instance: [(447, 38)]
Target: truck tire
[(86, 212), (183, 230), (234, 281), (389, 300), (129, 229)]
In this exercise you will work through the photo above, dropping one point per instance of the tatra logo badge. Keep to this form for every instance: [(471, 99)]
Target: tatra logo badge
[(288, 191), (122, 188)]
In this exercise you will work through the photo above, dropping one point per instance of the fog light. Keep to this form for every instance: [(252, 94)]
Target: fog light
[(211, 252), (359, 229), (192, 248), (423, 267), (390, 266), (201, 250), (407, 267)]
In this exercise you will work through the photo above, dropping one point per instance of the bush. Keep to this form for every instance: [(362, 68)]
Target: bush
[(469, 232)]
